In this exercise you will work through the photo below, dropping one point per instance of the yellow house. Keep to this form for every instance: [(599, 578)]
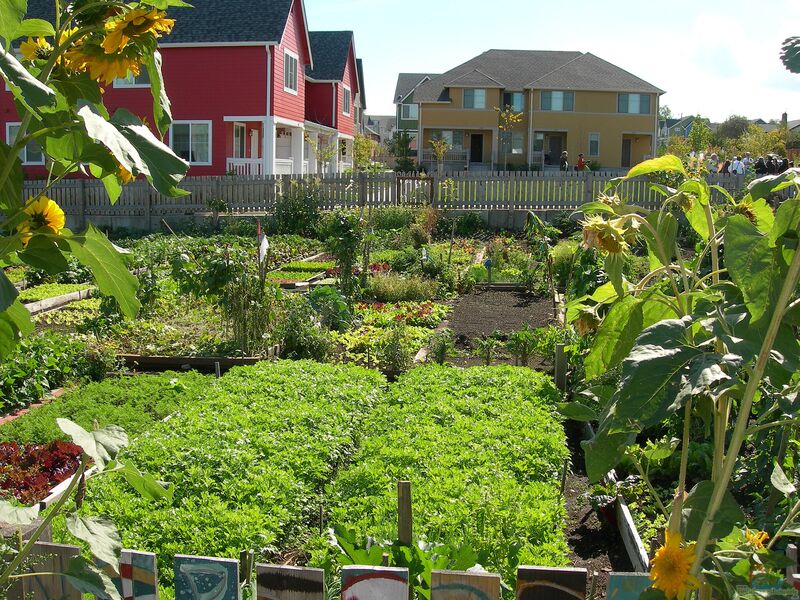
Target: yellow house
[(568, 101)]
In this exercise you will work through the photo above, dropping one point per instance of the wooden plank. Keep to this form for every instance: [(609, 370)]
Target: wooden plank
[(627, 586), (138, 575), (47, 558), (791, 570), (547, 583), (455, 585), (630, 537), (374, 583), (276, 582), (202, 578)]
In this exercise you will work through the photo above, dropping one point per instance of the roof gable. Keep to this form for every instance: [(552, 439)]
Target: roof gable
[(476, 78), (332, 50), (408, 82), (589, 72)]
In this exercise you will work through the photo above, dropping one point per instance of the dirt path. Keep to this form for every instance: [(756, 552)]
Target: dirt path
[(593, 542)]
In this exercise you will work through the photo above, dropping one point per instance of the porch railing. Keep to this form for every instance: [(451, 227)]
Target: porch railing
[(245, 166), (451, 156)]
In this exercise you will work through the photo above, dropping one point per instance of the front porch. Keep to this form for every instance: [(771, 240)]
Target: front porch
[(244, 143), (468, 150)]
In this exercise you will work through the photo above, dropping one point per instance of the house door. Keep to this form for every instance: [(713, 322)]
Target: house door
[(476, 148), (254, 149), (555, 146), (626, 152), (238, 140)]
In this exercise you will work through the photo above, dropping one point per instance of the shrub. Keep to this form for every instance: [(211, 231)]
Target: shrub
[(419, 237), (563, 255), (396, 288), (343, 233), (393, 217), (441, 346), (300, 334), (486, 347), (297, 209), (395, 357), (563, 221), (331, 307), (522, 345)]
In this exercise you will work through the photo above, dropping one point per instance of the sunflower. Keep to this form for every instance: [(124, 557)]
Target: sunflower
[(756, 538), (670, 569), (103, 67), (44, 216), (609, 236), (134, 24), (124, 175), (33, 49)]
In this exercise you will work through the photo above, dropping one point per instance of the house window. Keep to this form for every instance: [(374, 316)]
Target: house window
[(142, 80), (454, 139), (538, 142), (636, 104), (32, 153), (516, 100), (409, 111), (475, 98), (594, 144), (290, 62), (346, 101), (239, 135), (512, 142), (558, 101), (191, 140)]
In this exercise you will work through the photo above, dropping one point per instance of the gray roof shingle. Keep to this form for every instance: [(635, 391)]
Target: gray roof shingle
[(212, 21), (521, 69), (362, 94), (330, 50), (406, 82)]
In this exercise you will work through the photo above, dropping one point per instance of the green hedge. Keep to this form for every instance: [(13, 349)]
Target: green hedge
[(483, 448)]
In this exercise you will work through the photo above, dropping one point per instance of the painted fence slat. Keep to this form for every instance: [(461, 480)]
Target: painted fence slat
[(455, 585), (275, 582), (47, 558), (374, 583), (627, 586), (546, 583), (202, 578), (138, 575)]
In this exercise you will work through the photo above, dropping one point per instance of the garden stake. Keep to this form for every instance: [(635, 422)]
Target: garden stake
[(404, 531)]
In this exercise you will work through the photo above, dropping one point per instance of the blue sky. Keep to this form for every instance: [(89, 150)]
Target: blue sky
[(713, 58)]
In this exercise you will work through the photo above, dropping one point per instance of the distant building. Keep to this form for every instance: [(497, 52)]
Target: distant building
[(383, 126)]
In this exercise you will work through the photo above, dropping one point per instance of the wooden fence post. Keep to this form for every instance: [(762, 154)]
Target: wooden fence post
[(404, 528), (561, 367), (82, 203)]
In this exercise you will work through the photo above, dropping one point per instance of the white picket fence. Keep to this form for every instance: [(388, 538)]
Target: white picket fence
[(86, 200)]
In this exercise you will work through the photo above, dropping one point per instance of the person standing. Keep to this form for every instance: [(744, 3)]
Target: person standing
[(747, 161), (760, 166), (564, 164), (725, 168), (737, 166), (581, 164)]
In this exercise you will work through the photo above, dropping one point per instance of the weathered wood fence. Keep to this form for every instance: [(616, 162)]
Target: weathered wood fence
[(142, 207)]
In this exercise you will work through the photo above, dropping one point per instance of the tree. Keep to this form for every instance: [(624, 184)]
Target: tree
[(363, 149), (507, 118), (700, 135), (399, 146), (758, 142), (439, 148), (733, 127), (664, 112), (678, 146), (790, 54)]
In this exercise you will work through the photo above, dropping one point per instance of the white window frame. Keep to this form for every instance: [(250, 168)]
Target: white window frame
[(589, 149), (296, 90), (243, 128), (474, 107), (191, 122), (126, 82), (347, 100), (23, 154), (409, 116)]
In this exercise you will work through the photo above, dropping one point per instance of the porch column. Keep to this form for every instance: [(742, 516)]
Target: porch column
[(495, 143), (313, 168), (298, 146), (268, 146), (334, 165)]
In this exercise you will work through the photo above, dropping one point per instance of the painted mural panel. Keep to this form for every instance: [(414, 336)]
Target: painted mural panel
[(374, 583), (277, 582), (545, 583), (201, 578), (454, 585), (627, 586)]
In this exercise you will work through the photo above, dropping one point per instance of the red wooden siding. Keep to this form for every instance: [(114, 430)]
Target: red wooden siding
[(319, 102), (346, 123), (206, 84), (285, 104)]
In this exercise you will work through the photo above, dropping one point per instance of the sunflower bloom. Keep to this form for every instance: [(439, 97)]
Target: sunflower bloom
[(136, 23), (33, 49), (608, 236), (587, 323), (670, 569), (124, 175), (102, 67), (43, 216), (756, 538)]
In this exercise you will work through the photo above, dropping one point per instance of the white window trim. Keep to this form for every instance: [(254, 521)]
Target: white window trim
[(133, 86), (589, 149), (287, 52), (10, 142), (243, 127), (210, 139), (409, 118), (347, 112)]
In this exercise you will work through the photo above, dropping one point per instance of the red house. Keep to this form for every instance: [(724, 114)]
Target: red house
[(236, 74)]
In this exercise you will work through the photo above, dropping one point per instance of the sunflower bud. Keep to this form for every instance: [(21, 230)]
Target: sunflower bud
[(608, 236)]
